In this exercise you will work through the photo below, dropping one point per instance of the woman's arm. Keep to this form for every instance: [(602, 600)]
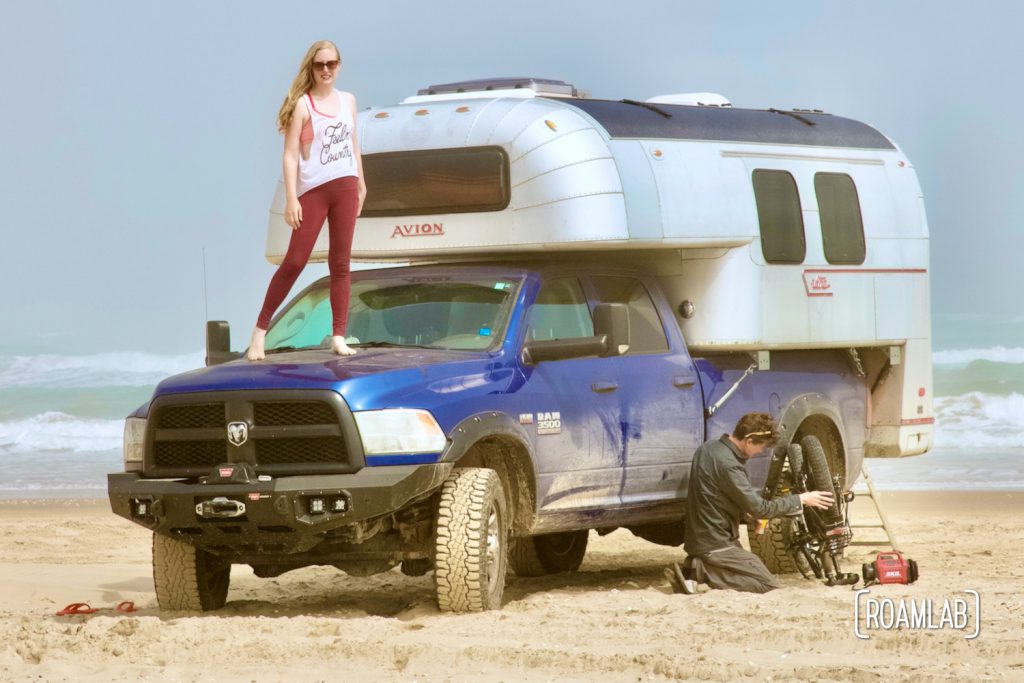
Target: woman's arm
[(358, 154), (290, 167)]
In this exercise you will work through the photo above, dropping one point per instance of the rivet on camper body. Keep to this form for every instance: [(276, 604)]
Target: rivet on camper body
[(657, 153)]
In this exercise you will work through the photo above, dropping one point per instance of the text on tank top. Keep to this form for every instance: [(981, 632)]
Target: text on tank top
[(331, 154)]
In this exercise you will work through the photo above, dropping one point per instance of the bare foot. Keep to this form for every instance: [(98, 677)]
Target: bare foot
[(339, 346), (255, 351)]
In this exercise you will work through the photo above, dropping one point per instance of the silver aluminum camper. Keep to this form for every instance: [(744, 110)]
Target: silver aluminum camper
[(770, 229)]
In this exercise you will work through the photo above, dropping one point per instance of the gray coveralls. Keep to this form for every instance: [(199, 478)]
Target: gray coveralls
[(719, 496)]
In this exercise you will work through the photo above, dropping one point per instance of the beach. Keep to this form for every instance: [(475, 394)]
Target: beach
[(614, 620)]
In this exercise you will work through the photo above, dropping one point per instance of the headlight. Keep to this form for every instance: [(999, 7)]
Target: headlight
[(401, 430), (134, 439)]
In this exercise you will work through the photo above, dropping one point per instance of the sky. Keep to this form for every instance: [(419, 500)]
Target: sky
[(139, 136)]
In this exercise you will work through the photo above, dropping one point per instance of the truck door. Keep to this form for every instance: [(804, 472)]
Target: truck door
[(562, 404), (661, 420)]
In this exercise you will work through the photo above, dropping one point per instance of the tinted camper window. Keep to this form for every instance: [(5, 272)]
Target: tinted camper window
[(778, 213), (436, 181), (842, 229)]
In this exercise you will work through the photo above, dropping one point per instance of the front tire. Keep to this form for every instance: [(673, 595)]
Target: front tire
[(470, 552), (188, 578)]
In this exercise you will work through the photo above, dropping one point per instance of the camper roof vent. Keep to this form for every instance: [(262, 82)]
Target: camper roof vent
[(693, 99), (540, 86)]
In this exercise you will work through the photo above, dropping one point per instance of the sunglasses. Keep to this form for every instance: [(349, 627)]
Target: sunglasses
[(331, 65), (768, 433)]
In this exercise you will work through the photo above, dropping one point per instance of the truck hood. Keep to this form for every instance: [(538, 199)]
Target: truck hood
[(373, 379), (314, 369)]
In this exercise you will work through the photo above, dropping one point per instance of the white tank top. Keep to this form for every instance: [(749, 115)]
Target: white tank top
[(331, 154)]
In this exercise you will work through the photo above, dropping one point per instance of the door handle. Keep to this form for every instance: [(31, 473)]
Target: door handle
[(602, 387), (683, 381)]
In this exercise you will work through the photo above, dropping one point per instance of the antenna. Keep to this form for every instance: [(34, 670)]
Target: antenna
[(206, 303)]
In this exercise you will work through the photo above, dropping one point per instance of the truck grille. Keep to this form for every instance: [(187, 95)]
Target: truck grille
[(276, 413), (183, 454), (192, 417), (291, 451), (189, 434)]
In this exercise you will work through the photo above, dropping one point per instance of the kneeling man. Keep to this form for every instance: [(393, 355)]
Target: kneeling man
[(720, 495)]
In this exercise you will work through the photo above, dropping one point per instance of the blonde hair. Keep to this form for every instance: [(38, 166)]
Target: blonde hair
[(302, 84)]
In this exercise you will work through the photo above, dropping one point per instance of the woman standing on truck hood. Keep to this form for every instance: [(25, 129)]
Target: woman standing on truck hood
[(323, 179)]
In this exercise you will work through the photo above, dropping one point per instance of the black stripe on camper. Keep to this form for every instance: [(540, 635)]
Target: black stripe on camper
[(625, 120)]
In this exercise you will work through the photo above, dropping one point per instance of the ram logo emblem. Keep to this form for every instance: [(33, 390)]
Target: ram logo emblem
[(238, 433)]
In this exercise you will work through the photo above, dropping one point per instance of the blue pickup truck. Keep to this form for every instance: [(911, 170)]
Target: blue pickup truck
[(592, 288), (495, 413)]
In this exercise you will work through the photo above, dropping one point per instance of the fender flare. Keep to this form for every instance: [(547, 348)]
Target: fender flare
[(480, 426), (519, 467), (810, 405)]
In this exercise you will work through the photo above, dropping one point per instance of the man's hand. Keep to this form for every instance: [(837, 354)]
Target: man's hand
[(817, 499)]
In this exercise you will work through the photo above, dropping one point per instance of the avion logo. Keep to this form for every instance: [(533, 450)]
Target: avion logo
[(418, 230)]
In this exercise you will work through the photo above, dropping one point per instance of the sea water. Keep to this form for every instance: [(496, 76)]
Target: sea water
[(62, 418)]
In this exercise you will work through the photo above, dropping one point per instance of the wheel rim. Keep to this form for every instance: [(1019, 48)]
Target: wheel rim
[(493, 546)]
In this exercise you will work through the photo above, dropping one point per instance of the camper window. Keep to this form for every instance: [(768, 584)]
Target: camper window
[(778, 214), (646, 334), (434, 181), (842, 229)]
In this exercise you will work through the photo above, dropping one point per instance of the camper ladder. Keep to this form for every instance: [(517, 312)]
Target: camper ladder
[(883, 522)]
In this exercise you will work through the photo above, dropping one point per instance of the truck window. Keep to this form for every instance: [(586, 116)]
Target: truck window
[(433, 181), (458, 313), (778, 214), (842, 228), (646, 334), (560, 312)]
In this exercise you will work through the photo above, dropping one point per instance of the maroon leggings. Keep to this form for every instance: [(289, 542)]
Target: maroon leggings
[(336, 201)]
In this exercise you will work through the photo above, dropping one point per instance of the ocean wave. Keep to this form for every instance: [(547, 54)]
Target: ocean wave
[(128, 369), (59, 432), (994, 354), (979, 420)]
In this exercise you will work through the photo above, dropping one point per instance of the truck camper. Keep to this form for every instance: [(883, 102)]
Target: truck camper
[(589, 289)]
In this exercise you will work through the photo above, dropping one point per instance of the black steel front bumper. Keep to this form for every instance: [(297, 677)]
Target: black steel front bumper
[(273, 515)]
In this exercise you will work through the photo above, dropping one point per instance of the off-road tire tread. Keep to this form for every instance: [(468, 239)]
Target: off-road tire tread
[(530, 554), (523, 558), (460, 562), (179, 580), (771, 545)]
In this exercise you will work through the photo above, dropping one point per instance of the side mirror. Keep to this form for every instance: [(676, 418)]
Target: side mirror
[(218, 343), (611, 338), (612, 321)]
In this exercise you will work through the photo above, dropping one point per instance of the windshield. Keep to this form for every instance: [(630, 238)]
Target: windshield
[(444, 312)]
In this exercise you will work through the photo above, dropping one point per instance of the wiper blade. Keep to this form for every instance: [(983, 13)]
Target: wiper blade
[(802, 119), (385, 345), (648, 105), (280, 349)]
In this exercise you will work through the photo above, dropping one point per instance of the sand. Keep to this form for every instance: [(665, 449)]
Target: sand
[(614, 620)]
